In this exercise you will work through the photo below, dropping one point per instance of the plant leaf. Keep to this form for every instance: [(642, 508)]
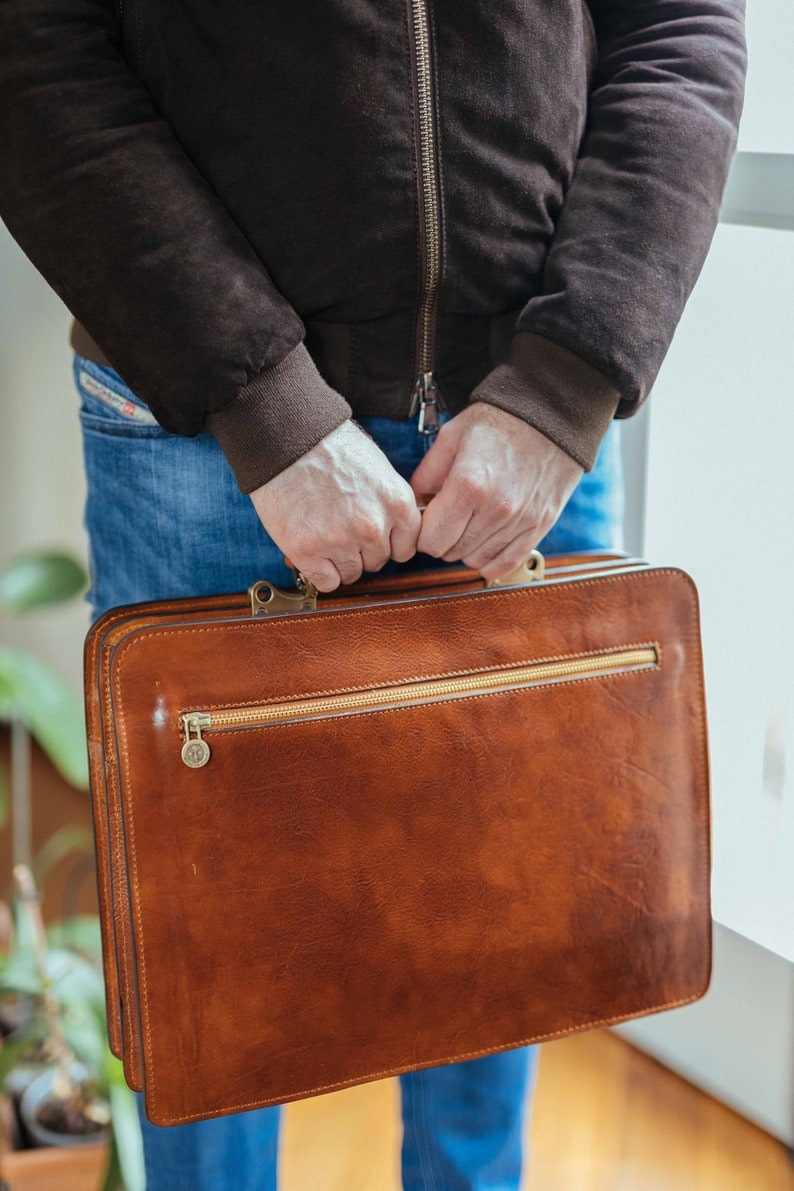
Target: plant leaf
[(51, 710), (126, 1131), (84, 1034), (20, 974), (24, 937), (36, 579), (60, 844), (75, 981), (114, 1179), (15, 1050), (80, 934)]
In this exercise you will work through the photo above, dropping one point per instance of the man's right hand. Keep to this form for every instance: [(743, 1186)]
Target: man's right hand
[(340, 509)]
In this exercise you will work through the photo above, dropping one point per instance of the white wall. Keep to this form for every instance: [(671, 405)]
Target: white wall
[(719, 499), (720, 490), (41, 483), (720, 495), (768, 117)]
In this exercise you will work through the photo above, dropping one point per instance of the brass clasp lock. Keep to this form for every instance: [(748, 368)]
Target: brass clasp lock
[(267, 599)]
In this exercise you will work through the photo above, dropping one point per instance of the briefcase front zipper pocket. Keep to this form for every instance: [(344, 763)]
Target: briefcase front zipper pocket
[(196, 751)]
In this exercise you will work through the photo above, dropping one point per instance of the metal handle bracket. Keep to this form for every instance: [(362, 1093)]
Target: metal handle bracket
[(532, 570), (267, 599)]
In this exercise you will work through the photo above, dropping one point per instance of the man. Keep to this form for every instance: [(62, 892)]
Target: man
[(271, 220)]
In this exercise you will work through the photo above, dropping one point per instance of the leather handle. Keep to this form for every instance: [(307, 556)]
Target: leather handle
[(528, 571), (266, 597)]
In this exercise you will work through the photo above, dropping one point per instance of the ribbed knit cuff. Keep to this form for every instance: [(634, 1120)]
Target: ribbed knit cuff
[(555, 391), (277, 417)]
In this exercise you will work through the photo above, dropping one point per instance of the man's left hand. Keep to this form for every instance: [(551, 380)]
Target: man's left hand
[(500, 485)]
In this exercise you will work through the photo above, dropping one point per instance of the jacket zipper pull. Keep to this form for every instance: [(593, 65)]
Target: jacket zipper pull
[(195, 750), (427, 402)]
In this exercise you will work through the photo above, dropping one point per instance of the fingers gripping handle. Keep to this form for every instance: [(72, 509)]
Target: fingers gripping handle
[(267, 599), (529, 571)]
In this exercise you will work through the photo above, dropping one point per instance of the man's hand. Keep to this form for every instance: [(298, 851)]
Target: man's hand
[(340, 509), (501, 486)]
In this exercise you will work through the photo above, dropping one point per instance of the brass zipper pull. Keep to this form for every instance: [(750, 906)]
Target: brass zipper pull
[(195, 750), (427, 402)]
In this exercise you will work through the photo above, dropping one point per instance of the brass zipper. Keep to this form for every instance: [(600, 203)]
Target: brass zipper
[(196, 751), (426, 398)]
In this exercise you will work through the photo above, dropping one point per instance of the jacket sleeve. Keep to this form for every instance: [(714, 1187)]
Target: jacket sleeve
[(636, 222), (98, 192)]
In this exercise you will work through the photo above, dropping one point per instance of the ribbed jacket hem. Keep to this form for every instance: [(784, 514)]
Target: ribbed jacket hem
[(276, 418), (555, 391)]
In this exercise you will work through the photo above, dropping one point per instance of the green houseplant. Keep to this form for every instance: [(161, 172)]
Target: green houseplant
[(72, 1087), (55, 1056), (34, 699)]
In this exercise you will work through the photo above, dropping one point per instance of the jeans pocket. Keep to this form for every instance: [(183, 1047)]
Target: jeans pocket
[(109, 406)]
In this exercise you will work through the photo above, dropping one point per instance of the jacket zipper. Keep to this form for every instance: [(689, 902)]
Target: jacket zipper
[(196, 751), (426, 398)]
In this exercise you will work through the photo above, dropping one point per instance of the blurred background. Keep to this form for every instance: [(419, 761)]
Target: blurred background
[(710, 488)]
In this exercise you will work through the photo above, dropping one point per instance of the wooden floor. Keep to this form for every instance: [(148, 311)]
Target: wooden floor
[(606, 1118)]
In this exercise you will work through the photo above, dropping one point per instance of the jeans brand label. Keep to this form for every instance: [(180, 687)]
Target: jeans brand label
[(127, 409)]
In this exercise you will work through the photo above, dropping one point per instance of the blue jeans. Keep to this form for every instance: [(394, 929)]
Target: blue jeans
[(165, 519)]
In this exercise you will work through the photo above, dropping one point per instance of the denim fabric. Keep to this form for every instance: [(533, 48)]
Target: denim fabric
[(165, 518)]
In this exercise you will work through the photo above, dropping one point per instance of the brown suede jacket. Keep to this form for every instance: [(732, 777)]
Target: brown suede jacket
[(272, 215)]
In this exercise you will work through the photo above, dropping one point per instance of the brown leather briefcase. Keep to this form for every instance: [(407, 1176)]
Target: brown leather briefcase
[(424, 822)]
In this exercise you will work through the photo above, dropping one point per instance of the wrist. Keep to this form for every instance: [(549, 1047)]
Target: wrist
[(277, 418), (562, 396)]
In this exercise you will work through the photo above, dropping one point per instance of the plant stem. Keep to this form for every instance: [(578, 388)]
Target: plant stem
[(59, 1048), (21, 792)]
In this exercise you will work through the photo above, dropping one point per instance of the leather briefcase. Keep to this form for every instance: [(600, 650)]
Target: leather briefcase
[(422, 822)]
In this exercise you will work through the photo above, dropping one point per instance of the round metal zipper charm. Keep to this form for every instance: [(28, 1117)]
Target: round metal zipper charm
[(195, 753)]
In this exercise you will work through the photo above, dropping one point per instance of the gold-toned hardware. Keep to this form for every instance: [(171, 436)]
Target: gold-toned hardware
[(432, 690), (195, 750), (304, 585), (267, 599), (530, 571)]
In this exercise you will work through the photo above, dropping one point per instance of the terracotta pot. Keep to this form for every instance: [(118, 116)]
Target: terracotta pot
[(55, 1168)]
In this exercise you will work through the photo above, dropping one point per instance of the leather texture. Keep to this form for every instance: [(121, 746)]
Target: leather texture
[(343, 897)]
